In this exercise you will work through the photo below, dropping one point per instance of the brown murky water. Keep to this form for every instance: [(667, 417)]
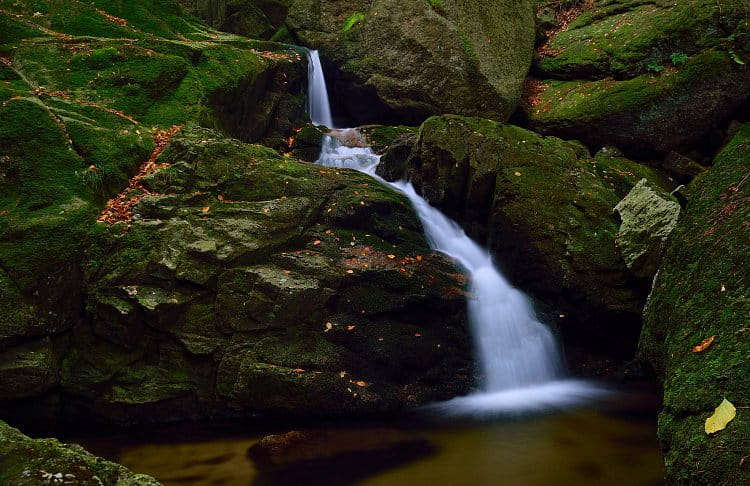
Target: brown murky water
[(577, 448)]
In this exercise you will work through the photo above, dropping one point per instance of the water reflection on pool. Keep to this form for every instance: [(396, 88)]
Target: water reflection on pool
[(581, 448)]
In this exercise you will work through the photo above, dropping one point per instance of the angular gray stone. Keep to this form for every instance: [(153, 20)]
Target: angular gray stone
[(648, 217)]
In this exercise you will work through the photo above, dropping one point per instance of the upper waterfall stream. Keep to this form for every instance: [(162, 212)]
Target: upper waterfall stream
[(519, 358)]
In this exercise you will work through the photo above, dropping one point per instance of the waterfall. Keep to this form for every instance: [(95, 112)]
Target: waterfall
[(518, 355), (318, 106)]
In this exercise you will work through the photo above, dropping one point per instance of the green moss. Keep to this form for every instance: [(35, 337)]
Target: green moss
[(438, 5), (381, 137), (25, 462), (351, 21), (624, 38), (701, 290), (468, 48)]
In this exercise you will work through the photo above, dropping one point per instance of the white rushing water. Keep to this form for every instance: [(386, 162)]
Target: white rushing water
[(519, 357)]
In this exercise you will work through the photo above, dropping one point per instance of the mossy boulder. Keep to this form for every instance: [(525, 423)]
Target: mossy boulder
[(400, 62), (701, 290), (84, 87), (28, 462), (647, 77), (544, 207), (252, 282)]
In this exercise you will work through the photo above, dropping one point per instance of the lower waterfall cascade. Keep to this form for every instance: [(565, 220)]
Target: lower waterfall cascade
[(520, 361)]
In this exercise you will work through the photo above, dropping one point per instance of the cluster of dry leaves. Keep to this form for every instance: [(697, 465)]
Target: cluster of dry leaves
[(120, 209), (564, 15)]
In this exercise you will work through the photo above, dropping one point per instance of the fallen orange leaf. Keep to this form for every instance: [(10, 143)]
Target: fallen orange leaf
[(206, 209), (361, 383), (704, 345)]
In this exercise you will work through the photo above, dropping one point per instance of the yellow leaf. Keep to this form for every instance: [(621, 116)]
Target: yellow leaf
[(518, 174), (723, 414), (329, 326), (391, 256)]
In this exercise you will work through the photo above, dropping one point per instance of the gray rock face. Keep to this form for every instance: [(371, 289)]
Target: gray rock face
[(647, 218), (404, 61)]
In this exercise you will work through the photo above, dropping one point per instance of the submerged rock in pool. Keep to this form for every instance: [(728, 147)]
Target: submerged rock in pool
[(334, 456)]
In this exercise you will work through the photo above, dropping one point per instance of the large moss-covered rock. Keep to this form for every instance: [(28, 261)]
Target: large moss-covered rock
[(252, 282), (29, 462), (647, 218), (648, 77), (702, 290), (544, 207), (401, 62), (84, 89)]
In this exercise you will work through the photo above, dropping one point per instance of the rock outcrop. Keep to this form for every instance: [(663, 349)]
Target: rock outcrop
[(544, 207), (647, 218), (30, 462), (647, 77), (253, 283), (393, 61), (83, 93), (191, 313), (700, 291)]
